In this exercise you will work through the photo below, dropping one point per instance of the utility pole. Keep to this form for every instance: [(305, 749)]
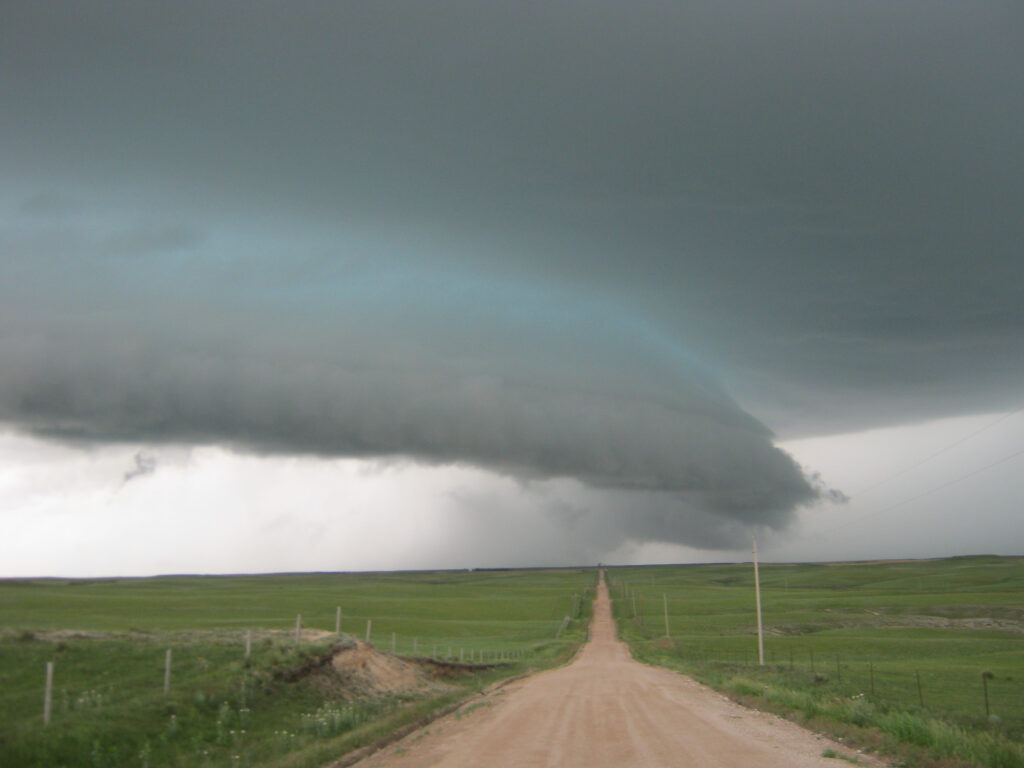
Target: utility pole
[(757, 592)]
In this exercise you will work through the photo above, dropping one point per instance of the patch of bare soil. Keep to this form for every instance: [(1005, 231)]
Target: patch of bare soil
[(138, 635), (451, 670), (371, 672), (942, 622), (977, 623)]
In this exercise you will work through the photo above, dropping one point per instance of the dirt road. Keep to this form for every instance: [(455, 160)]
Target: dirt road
[(605, 709)]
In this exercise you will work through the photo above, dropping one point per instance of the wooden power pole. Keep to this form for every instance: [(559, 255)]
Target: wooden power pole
[(757, 593)]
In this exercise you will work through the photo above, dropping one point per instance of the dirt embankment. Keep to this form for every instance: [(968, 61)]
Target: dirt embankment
[(371, 672)]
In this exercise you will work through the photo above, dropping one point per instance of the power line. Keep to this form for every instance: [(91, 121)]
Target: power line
[(946, 484), (939, 452)]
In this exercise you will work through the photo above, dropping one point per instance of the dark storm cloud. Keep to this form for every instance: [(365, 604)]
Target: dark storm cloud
[(542, 237), (430, 367), (50, 203)]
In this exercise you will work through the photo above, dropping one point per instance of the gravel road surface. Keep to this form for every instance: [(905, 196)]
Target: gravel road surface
[(605, 709)]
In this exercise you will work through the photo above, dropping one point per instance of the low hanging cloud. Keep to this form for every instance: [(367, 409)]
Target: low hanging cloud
[(145, 464), (419, 369)]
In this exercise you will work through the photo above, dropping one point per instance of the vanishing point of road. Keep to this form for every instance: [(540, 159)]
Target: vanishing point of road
[(605, 709)]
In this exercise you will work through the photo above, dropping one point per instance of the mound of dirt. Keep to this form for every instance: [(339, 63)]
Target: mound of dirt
[(374, 672)]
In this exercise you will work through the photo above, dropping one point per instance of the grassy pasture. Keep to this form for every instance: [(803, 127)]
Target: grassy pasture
[(850, 641), (108, 638), (477, 609)]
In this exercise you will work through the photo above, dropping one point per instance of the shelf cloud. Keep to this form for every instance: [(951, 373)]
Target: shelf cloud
[(626, 245)]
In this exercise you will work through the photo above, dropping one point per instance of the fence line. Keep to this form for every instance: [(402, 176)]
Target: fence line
[(886, 684), (478, 656)]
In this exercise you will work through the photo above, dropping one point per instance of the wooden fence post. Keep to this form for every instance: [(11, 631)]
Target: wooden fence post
[(167, 672), (337, 621), (48, 693), (248, 644), (369, 623), (984, 684), (298, 626)]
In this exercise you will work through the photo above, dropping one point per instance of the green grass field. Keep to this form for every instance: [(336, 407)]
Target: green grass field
[(849, 642), (108, 639), (845, 644)]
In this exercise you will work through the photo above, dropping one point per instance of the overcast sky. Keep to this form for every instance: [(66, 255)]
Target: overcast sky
[(333, 286)]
